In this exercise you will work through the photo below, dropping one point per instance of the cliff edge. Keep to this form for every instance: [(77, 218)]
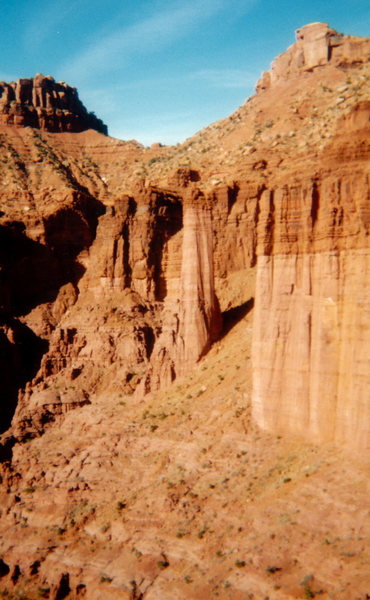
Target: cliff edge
[(316, 45), (45, 104), (184, 337)]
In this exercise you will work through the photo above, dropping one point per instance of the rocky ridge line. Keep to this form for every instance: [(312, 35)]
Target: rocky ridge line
[(113, 492), (316, 45), (170, 249), (45, 104)]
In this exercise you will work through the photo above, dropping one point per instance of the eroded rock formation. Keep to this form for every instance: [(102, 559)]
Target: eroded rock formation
[(309, 362), (316, 46), (43, 103), (312, 294), (192, 310), (127, 279)]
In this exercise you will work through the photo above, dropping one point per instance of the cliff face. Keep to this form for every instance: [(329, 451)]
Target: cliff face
[(43, 103), (191, 308), (310, 332), (127, 401), (316, 45), (133, 312), (177, 247)]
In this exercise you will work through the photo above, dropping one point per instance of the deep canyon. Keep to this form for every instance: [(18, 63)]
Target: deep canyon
[(184, 343)]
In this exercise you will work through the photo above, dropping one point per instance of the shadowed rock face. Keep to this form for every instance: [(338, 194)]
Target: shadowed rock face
[(117, 265), (43, 103), (33, 275), (173, 251)]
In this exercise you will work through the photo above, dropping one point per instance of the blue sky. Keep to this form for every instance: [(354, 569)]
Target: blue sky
[(160, 70)]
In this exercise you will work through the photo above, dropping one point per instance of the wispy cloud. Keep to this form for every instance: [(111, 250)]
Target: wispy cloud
[(225, 78), (174, 21), (157, 122), (45, 23), (214, 78)]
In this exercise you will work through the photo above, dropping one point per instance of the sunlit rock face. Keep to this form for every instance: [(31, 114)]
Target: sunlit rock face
[(311, 330), (43, 103), (184, 337), (310, 346), (142, 267), (316, 45)]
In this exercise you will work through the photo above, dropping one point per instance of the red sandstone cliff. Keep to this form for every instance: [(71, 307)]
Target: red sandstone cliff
[(43, 103), (316, 45), (180, 243), (114, 286), (310, 376)]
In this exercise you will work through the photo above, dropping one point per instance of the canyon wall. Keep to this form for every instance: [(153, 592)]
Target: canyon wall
[(143, 312), (193, 319), (123, 269), (119, 263), (311, 334), (311, 341)]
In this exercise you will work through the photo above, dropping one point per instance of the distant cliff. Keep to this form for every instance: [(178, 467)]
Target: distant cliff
[(45, 104)]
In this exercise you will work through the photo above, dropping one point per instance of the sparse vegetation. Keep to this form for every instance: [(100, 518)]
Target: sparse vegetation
[(180, 534), (187, 461), (272, 570), (240, 563), (307, 589)]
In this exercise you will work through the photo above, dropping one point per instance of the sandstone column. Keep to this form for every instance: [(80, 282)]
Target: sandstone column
[(192, 320)]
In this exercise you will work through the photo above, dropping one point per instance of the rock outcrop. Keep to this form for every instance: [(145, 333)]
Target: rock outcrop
[(316, 46), (310, 334), (192, 308), (310, 328), (43, 103), (154, 424), (175, 250)]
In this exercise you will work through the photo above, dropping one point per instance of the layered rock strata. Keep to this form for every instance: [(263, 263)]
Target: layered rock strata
[(311, 335), (192, 310), (146, 309), (43, 103), (116, 262), (316, 46), (138, 304)]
